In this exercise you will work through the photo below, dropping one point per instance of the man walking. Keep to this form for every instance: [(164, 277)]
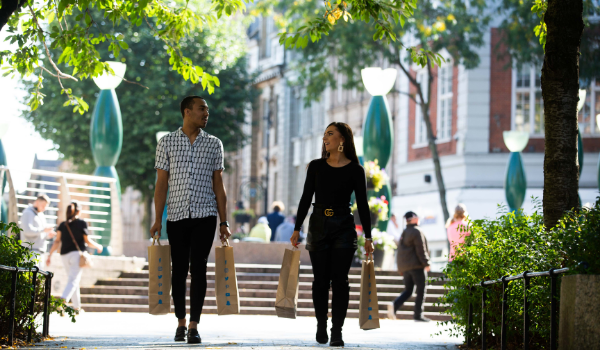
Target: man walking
[(276, 218), (33, 222), (413, 264), (189, 162)]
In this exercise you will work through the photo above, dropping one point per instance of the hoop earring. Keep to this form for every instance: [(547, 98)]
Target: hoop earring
[(341, 147)]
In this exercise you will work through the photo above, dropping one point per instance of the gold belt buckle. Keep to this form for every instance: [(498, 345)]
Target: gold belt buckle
[(328, 212)]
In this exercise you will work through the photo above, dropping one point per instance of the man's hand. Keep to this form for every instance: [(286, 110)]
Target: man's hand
[(51, 234), (224, 233), (155, 230), (427, 268)]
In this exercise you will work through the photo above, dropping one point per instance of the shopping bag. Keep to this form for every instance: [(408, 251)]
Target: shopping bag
[(159, 288), (287, 290), (225, 281), (368, 311)]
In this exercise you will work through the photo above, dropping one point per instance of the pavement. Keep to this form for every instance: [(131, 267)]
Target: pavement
[(143, 331)]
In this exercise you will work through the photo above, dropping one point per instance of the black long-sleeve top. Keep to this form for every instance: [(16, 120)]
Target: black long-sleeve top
[(334, 186)]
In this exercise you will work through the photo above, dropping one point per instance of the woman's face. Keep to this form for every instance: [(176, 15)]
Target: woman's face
[(332, 139)]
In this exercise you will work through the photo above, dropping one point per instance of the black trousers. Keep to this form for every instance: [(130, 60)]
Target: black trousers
[(416, 277), (330, 268), (191, 241)]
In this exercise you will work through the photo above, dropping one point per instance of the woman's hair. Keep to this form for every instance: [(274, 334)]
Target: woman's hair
[(460, 214), (349, 148), (72, 211)]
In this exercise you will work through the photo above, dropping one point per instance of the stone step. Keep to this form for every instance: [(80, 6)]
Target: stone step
[(302, 312), (387, 288), (244, 293)]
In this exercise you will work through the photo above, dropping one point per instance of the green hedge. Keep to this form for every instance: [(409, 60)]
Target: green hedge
[(510, 245), (12, 253)]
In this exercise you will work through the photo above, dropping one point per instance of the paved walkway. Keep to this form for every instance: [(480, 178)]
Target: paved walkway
[(143, 331)]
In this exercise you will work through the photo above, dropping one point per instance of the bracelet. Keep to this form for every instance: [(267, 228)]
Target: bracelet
[(370, 239)]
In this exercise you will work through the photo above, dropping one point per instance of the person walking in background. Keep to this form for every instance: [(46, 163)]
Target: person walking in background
[(33, 223), (332, 239), (286, 230), (456, 227), (413, 264), (261, 230), (72, 238), (189, 163), (393, 228), (276, 218)]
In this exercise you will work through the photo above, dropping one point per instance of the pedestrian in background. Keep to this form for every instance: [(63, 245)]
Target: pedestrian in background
[(71, 238), (286, 230), (261, 230), (35, 231), (276, 218), (393, 228), (413, 264), (456, 227)]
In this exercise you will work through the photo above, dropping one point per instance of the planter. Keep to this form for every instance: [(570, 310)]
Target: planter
[(374, 219), (378, 257), (370, 186), (242, 218), (579, 325)]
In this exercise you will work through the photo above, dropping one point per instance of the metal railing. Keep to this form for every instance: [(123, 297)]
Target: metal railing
[(13, 298), (525, 276)]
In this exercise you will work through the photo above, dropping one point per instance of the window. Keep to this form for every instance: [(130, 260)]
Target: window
[(444, 117), (420, 127), (528, 106), (265, 122), (295, 109), (340, 89), (588, 124)]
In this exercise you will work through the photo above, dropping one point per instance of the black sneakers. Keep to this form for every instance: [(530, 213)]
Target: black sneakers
[(180, 333), (193, 337)]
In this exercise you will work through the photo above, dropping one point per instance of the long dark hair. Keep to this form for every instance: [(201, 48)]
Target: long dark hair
[(72, 211), (349, 148)]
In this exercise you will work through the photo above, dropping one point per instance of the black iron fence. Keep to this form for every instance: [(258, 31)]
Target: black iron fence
[(525, 276), (13, 296)]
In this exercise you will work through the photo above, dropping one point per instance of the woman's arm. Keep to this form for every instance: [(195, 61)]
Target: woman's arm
[(91, 242), (307, 195), (55, 246), (360, 191)]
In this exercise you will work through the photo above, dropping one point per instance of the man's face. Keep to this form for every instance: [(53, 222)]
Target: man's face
[(198, 114), (413, 221), (40, 205)]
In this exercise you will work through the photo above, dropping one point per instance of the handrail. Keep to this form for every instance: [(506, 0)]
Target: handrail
[(71, 176), (13, 294), (525, 276)]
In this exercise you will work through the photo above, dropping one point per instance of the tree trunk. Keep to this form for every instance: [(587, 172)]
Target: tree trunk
[(8, 8), (560, 91)]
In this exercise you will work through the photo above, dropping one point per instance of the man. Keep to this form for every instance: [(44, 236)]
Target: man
[(284, 231), (33, 223), (413, 264), (276, 218), (189, 162)]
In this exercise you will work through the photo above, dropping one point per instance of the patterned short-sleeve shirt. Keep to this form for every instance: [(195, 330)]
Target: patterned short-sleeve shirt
[(190, 168)]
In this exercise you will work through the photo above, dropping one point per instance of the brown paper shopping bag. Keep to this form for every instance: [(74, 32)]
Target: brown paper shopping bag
[(368, 312), (225, 281), (287, 289), (159, 288)]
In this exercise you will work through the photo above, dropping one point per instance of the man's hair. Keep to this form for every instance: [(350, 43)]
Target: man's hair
[(278, 206), (188, 103), (43, 197)]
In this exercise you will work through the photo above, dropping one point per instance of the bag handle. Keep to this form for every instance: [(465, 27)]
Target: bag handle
[(73, 237), (155, 240), (369, 257), (225, 243), (294, 248)]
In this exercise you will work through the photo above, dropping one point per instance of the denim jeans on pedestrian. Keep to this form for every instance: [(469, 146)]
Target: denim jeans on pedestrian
[(416, 277)]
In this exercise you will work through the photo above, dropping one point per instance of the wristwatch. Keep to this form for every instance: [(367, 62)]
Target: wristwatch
[(224, 223)]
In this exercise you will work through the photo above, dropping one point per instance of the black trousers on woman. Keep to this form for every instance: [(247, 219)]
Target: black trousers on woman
[(191, 241)]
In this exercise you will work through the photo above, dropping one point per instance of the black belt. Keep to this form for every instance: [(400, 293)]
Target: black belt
[(329, 210)]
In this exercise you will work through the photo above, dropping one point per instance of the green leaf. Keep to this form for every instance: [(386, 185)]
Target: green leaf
[(123, 45), (88, 19)]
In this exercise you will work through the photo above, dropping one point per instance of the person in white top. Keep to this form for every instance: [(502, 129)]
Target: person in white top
[(394, 229), (33, 223)]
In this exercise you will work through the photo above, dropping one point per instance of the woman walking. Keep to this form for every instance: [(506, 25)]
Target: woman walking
[(71, 238), (457, 228), (332, 238)]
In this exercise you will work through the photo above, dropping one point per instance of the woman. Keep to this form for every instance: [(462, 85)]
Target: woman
[(332, 238), (456, 228), (71, 238)]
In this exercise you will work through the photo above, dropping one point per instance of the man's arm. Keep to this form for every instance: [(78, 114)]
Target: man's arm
[(221, 195), (30, 231), (160, 198), (421, 248)]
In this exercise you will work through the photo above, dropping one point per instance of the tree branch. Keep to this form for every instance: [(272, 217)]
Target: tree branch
[(8, 8)]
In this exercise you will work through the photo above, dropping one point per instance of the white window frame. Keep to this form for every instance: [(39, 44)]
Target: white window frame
[(420, 126), (444, 132), (532, 89), (593, 93)]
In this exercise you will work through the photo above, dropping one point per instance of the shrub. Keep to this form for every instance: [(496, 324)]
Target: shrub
[(12, 253), (509, 245)]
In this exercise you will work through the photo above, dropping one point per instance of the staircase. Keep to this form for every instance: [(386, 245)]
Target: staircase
[(257, 285)]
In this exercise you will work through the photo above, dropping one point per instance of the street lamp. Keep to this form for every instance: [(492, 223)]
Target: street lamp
[(515, 184), (106, 136), (378, 133)]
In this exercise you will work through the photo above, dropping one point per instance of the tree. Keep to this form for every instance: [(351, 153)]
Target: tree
[(39, 26), (434, 26), (147, 111), (570, 56)]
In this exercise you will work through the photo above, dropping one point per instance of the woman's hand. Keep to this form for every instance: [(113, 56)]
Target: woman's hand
[(369, 246), (48, 261), (99, 249), (295, 238)]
